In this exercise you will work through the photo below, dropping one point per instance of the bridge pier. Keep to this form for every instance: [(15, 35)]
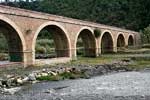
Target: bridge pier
[(28, 58)]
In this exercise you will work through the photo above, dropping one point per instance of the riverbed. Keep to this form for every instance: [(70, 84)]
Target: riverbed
[(113, 86)]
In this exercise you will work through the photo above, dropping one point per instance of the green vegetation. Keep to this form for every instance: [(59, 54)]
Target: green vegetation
[(130, 14), (3, 48), (97, 33), (65, 75), (94, 61), (49, 78), (80, 48), (3, 56), (44, 46), (3, 43), (146, 35), (139, 63)]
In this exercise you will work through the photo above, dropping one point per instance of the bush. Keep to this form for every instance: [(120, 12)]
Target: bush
[(49, 78), (79, 42), (145, 34), (44, 42), (64, 75), (44, 46), (3, 43), (40, 49), (80, 51), (3, 56), (146, 46), (97, 33)]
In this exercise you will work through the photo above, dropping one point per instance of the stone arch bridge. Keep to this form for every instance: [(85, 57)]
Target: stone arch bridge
[(21, 28)]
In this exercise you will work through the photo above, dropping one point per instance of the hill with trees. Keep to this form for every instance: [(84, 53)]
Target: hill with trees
[(129, 14)]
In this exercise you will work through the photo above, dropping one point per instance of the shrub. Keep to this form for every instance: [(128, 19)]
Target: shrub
[(49, 78), (146, 46), (4, 56), (40, 49), (64, 75), (97, 33), (45, 42), (44, 46), (3, 43), (145, 34), (80, 51)]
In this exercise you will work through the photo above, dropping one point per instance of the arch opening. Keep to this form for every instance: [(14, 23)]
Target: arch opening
[(11, 44), (51, 42), (120, 42), (106, 43), (130, 41), (86, 44)]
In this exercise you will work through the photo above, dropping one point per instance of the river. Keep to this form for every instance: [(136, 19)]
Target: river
[(114, 86)]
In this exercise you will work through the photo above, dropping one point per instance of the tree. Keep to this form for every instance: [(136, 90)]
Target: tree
[(146, 35), (129, 14)]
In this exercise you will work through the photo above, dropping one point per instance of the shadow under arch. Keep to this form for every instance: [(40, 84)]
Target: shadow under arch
[(59, 36), (88, 41), (106, 43), (14, 38), (120, 41), (130, 41)]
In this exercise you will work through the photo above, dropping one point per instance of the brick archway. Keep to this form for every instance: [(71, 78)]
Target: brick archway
[(107, 43), (120, 41), (15, 39), (89, 42), (130, 41), (60, 37)]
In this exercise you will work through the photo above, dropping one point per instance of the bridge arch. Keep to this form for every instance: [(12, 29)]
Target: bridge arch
[(106, 42), (60, 37), (15, 39), (130, 40), (120, 41), (88, 40)]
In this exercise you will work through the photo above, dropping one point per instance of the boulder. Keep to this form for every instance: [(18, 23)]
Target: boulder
[(44, 74), (100, 70), (25, 79), (52, 73), (10, 91), (50, 91), (38, 75), (32, 77), (19, 81), (5, 83)]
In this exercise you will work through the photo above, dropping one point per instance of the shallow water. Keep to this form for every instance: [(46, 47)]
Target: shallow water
[(118, 86)]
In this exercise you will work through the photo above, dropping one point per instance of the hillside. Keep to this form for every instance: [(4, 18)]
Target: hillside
[(129, 14)]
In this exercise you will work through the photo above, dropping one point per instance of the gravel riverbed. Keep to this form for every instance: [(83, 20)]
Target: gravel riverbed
[(114, 86)]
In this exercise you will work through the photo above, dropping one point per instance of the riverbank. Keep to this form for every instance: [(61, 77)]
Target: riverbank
[(113, 86), (32, 75), (17, 76)]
